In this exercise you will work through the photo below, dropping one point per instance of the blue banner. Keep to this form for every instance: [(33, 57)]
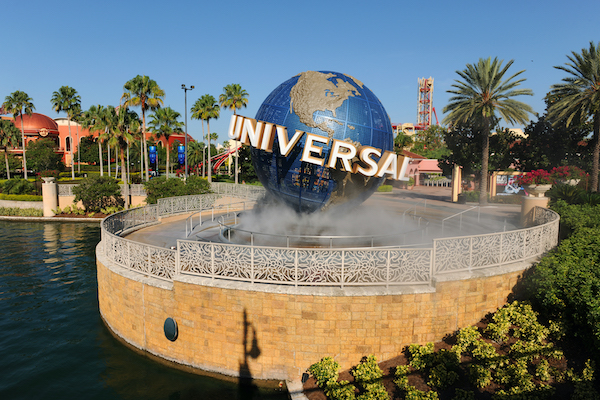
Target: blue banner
[(152, 154), (181, 155)]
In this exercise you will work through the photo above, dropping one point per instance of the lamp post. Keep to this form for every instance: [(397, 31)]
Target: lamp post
[(185, 89)]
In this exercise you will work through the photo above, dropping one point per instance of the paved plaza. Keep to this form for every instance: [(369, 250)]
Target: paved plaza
[(432, 203)]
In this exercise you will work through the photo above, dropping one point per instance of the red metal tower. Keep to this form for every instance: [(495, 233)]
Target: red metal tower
[(425, 103)]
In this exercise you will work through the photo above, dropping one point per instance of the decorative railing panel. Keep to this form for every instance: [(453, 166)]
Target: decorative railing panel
[(66, 190), (483, 251), (185, 204), (410, 266), (274, 264), (313, 267)]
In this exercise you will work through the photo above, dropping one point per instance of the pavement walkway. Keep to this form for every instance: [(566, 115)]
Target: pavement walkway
[(433, 203)]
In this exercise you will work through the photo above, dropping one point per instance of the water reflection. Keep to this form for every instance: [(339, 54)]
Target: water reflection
[(54, 344)]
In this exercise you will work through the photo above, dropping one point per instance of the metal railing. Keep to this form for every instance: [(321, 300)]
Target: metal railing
[(460, 217), (189, 222), (445, 182), (319, 267)]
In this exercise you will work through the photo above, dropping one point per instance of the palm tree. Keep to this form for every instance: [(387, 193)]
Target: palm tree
[(144, 92), (77, 115), (164, 123), (9, 136), (66, 99), (18, 103), (128, 124), (195, 154), (206, 108), (117, 123), (481, 94), (578, 98), (234, 98), (91, 120)]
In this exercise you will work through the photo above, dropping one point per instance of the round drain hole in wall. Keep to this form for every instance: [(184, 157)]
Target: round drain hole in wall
[(171, 329)]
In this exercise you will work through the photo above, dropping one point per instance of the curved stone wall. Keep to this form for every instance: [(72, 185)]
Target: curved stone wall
[(277, 332)]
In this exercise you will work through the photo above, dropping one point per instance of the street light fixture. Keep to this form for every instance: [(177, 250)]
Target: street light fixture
[(185, 89)]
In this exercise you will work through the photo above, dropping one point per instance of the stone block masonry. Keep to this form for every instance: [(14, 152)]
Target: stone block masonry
[(277, 332)]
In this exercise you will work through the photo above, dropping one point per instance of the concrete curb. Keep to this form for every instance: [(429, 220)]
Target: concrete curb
[(295, 389), (47, 219)]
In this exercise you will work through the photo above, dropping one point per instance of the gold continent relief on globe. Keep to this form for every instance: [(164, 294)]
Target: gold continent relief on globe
[(315, 92)]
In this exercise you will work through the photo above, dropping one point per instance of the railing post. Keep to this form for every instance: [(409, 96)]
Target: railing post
[(148, 262), (252, 279), (387, 278), (501, 254), (177, 260), (212, 261), (470, 254), (295, 268), (342, 276)]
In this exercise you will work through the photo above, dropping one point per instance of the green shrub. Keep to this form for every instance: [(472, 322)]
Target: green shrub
[(565, 193), (369, 376), (326, 375), (420, 357), (161, 187), (21, 212), (472, 196), (385, 188), (20, 197), (97, 192), (17, 186), (566, 284)]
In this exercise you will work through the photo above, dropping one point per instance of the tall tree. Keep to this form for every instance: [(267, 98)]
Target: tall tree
[(66, 99), (18, 103), (430, 142), (578, 98), (547, 145), (77, 115), (116, 124), (9, 136), (195, 154), (483, 93), (402, 141), (143, 92), (91, 120), (206, 108), (163, 123), (42, 156), (464, 144), (234, 98)]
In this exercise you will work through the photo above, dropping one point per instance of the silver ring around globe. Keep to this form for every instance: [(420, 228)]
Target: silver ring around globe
[(329, 104)]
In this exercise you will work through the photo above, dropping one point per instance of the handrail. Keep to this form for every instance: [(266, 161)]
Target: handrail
[(460, 214), (424, 202), (189, 226)]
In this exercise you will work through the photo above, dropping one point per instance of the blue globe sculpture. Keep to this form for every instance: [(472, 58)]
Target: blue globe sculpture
[(328, 104)]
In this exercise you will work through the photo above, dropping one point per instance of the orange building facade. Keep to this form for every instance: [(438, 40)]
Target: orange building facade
[(38, 126)]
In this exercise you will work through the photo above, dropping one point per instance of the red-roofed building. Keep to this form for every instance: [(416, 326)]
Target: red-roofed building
[(38, 126), (420, 168)]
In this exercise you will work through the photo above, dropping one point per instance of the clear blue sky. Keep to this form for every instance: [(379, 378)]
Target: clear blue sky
[(96, 47)]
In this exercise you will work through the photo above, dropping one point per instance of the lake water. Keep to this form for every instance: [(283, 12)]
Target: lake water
[(53, 344)]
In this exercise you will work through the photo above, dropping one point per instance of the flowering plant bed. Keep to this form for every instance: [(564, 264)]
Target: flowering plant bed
[(537, 177), (568, 173)]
